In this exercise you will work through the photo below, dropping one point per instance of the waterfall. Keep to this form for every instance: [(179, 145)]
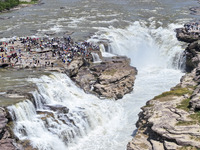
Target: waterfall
[(102, 48), (146, 46), (62, 114), (96, 58), (63, 117), (157, 55)]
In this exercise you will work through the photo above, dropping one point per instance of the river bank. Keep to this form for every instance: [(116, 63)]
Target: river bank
[(16, 5), (170, 121)]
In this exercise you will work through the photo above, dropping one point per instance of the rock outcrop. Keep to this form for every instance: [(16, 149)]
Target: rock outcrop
[(112, 78), (74, 67), (171, 121), (185, 36), (192, 55), (7, 139)]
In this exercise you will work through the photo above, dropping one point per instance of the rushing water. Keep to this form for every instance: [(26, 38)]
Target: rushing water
[(143, 30), (96, 58)]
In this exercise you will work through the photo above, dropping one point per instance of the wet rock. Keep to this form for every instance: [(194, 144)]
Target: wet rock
[(34, 31), (50, 33), (26, 145), (45, 115), (67, 33), (5, 18), (40, 3), (7, 141), (58, 108), (187, 37)]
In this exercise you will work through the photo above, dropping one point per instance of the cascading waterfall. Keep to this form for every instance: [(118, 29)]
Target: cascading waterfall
[(157, 55), (104, 52), (67, 118), (63, 114), (96, 58), (144, 45)]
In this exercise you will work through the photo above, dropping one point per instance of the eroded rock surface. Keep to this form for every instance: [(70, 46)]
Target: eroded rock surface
[(171, 121), (112, 78), (185, 36), (168, 121), (7, 141)]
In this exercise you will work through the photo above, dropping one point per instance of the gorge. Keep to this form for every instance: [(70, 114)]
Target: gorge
[(141, 30)]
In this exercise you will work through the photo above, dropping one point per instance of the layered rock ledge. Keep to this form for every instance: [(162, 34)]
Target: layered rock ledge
[(171, 121), (112, 78)]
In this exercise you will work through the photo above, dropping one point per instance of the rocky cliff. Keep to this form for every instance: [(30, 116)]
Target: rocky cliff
[(112, 78), (171, 121), (8, 141)]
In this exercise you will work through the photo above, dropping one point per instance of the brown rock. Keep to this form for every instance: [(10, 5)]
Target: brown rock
[(7, 142), (58, 108), (164, 122), (184, 36), (74, 66), (112, 78), (85, 79)]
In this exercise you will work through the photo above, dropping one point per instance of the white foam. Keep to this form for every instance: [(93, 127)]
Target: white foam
[(87, 112)]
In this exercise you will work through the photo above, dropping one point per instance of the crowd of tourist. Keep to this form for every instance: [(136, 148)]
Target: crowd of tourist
[(43, 52), (192, 27)]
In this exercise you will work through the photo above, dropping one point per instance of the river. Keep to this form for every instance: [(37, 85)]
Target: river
[(143, 30)]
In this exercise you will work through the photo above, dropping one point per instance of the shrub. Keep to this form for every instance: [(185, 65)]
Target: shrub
[(175, 92), (7, 4)]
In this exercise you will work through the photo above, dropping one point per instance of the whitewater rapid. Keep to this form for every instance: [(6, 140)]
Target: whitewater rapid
[(91, 123)]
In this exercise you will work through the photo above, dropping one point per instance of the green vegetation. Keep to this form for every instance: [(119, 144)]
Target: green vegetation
[(184, 104), (32, 2), (178, 91), (148, 105), (196, 138), (185, 123), (195, 116), (7, 4)]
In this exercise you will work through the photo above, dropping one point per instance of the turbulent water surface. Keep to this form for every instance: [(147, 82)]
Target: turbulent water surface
[(143, 30)]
